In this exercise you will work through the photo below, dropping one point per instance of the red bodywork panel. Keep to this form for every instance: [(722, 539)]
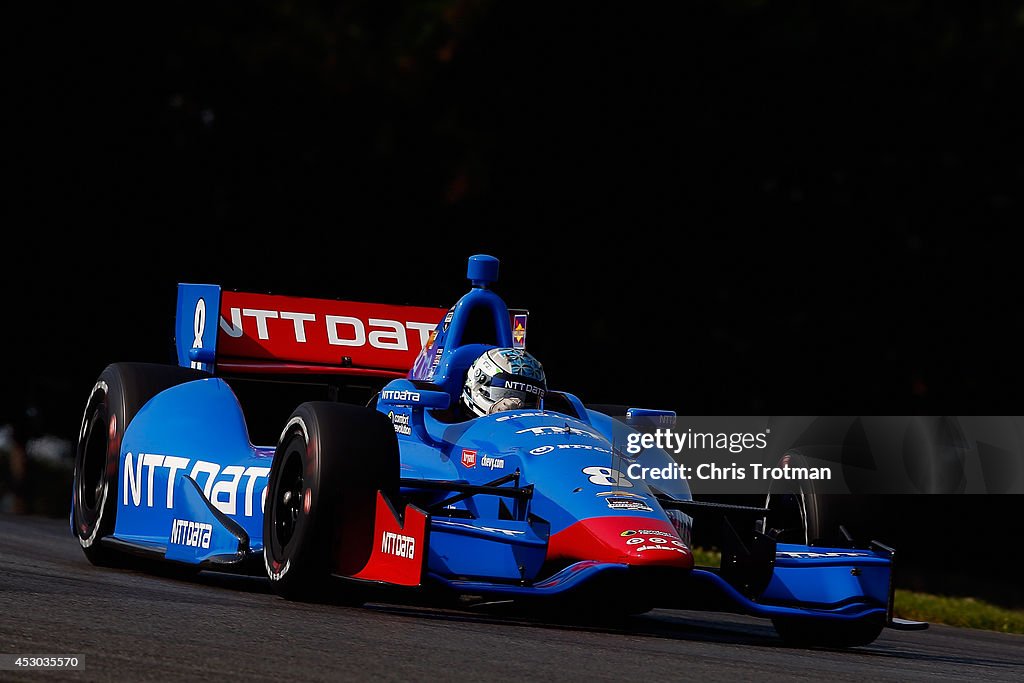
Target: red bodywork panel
[(267, 333), (640, 541), (399, 551)]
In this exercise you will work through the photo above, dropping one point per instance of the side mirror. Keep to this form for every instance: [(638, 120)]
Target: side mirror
[(650, 416), (402, 393)]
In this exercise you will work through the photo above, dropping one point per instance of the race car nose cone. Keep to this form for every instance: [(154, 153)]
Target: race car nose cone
[(639, 542)]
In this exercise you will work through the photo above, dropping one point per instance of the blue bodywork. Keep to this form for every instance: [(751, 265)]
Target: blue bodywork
[(192, 486), (193, 431)]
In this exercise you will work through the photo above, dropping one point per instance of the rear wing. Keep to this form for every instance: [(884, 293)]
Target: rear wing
[(242, 333)]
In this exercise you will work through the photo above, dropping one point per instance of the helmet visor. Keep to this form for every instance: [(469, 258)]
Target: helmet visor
[(506, 385)]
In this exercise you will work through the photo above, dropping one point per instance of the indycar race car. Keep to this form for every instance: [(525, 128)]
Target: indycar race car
[(383, 486)]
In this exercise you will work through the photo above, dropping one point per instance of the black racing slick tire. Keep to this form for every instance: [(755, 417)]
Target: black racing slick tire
[(799, 512), (805, 632), (120, 392), (803, 515), (330, 461)]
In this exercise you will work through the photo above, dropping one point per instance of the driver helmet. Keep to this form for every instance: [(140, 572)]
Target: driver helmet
[(503, 379)]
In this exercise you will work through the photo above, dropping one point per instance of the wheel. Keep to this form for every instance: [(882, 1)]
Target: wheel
[(799, 513), (119, 393), (329, 464), (802, 515), (809, 632)]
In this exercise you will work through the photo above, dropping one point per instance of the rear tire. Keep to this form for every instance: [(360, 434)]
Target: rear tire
[(120, 392), (330, 462)]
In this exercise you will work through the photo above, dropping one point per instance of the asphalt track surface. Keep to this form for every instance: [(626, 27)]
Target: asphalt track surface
[(137, 626)]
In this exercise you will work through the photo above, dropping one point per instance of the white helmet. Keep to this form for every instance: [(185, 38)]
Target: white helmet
[(503, 379)]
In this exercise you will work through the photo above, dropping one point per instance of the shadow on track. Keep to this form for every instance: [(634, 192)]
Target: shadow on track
[(718, 628)]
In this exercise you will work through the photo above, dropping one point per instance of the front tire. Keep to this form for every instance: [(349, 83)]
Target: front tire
[(329, 464), (799, 513), (802, 515)]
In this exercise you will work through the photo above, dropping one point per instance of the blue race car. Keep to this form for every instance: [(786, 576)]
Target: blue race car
[(435, 460)]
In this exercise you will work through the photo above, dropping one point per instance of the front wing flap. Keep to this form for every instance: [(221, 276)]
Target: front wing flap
[(400, 546)]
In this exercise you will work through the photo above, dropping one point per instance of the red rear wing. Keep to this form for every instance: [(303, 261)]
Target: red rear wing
[(265, 333)]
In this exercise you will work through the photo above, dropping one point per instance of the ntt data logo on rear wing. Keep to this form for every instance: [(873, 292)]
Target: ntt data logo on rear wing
[(341, 330), (303, 330)]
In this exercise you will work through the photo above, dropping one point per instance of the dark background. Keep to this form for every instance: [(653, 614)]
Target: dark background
[(728, 207)]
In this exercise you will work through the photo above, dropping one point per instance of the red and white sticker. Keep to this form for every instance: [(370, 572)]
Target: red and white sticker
[(468, 457)]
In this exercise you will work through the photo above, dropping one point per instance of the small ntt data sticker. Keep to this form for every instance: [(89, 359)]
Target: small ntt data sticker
[(27, 662)]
